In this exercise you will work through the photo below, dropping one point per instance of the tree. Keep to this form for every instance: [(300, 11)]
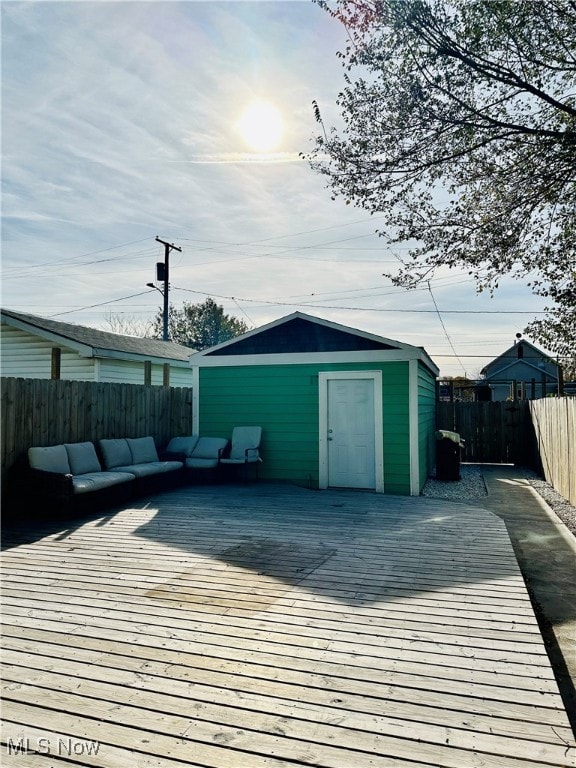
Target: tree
[(460, 125), (128, 325), (199, 325)]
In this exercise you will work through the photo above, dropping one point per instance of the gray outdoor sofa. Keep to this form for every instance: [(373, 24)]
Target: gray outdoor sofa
[(69, 476)]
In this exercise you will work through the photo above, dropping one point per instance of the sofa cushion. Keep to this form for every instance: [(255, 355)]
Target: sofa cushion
[(151, 468), (115, 452), (52, 458), (209, 448), (95, 481), (82, 458), (142, 449), (194, 463), (183, 445)]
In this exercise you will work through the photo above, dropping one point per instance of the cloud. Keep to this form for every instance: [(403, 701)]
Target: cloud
[(119, 125)]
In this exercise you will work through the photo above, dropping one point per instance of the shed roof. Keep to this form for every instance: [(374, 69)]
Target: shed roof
[(300, 334), (95, 343)]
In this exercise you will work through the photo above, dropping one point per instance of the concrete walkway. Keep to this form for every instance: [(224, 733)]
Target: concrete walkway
[(546, 553)]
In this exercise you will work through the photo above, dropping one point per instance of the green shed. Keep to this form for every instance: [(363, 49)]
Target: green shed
[(339, 407)]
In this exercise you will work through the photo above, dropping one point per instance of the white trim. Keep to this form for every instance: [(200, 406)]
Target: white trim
[(312, 319), (548, 358), (196, 400), (97, 370), (401, 351), (323, 378), (88, 350), (525, 361), (303, 358), (84, 350), (112, 354), (413, 426)]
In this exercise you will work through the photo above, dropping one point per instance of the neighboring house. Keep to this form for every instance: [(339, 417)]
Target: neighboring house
[(40, 348), (338, 407), (523, 365)]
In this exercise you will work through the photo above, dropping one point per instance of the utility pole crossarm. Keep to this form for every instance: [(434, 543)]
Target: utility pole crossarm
[(167, 248)]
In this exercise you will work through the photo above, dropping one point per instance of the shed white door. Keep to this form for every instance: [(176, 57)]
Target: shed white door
[(351, 433)]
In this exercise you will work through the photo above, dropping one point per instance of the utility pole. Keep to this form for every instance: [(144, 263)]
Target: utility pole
[(167, 248)]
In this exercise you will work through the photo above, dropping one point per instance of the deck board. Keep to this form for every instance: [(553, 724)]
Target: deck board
[(268, 626)]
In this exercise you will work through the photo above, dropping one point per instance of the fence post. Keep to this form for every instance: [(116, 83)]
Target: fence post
[(55, 363), (147, 373)]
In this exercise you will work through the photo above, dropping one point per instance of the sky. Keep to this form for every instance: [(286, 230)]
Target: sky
[(127, 121)]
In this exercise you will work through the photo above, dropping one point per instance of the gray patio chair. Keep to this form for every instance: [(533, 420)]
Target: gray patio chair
[(245, 447), (181, 446), (197, 453), (206, 453)]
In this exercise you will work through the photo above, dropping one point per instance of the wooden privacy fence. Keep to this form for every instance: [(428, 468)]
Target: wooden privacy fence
[(498, 432), (48, 412), (554, 422)]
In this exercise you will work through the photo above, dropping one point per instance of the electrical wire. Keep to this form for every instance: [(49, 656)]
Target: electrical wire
[(101, 304), (268, 302), (444, 327)]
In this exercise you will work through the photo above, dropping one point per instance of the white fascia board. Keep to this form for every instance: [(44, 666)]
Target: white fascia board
[(303, 358), (84, 350), (318, 321), (524, 361), (413, 427), (137, 357), (195, 400), (254, 332)]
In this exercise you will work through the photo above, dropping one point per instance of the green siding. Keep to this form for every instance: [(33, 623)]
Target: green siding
[(426, 422), (283, 400)]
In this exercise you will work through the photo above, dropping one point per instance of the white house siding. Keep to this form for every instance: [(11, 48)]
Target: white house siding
[(179, 377), (23, 355), (132, 372), (26, 356), (121, 371)]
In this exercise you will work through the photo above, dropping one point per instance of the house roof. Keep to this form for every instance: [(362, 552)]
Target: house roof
[(525, 343), (303, 334), (92, 342)]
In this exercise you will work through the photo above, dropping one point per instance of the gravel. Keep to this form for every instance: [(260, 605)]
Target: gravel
[(472, 486), (559, 505)]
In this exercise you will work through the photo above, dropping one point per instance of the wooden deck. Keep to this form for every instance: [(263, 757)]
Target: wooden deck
[(269, 626)]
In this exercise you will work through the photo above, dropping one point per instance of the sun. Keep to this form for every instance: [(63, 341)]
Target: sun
[(261, 126)]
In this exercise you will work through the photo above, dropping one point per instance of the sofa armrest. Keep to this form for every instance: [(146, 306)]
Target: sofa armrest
[(52, 484), (172, 456)]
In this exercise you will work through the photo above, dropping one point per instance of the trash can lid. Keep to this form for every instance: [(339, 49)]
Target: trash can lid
[(444, 434)]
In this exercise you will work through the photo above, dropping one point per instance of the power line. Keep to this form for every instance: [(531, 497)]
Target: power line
[(82, 255), (444, 327), (269, 302), (101, 304), (293, 234)]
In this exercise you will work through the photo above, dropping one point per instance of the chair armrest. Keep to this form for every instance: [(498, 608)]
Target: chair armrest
[(252, 453), (224, 453)]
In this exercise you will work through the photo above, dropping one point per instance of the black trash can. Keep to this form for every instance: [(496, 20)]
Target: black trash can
[(448, 447)]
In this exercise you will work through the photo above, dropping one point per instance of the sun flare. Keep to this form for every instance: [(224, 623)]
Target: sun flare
[(261, 126)]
